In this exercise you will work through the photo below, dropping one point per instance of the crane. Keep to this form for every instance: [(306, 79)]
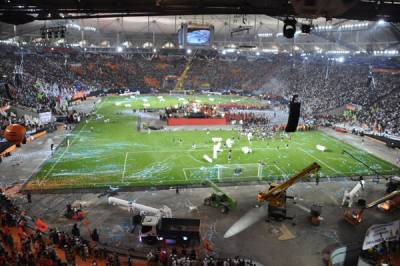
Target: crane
[(348, 197), (276, 198), (355, 216), (276, 194)]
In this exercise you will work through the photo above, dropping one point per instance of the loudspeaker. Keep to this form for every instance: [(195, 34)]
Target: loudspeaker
[(294, 115)]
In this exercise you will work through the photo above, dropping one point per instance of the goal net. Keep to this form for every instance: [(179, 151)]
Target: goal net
[(226, 172)]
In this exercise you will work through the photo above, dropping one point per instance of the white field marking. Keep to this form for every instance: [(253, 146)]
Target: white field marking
[(268, 166), (65, 151), (184, 173), (194, 159), (366, 172), (62, 155), (238, 164), (227, 166), (315, 158), (344, 143), (172, 151), (167, 159), (232, 177), (280, 170), (123, 172), (130, 182), (238, 177), (336, 159), (133, 181)]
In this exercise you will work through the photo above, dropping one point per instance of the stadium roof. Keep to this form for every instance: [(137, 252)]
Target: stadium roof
[(260, 31), (23, 11), (249, 23)]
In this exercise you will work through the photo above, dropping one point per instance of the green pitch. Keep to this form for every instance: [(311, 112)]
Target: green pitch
[(115, 153)]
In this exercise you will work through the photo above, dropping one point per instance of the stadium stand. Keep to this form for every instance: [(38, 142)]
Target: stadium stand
[(49, 81)]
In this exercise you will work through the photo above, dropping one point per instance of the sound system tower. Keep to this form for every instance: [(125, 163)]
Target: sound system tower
[(294, 115)]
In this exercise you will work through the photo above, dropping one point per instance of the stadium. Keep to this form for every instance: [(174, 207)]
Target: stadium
[(222, 133)]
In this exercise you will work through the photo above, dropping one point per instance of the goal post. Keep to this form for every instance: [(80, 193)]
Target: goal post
[(251, 171), (227, 172), (260, 170)]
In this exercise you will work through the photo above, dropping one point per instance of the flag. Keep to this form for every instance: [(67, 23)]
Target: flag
[(40, 225), (207, 245)]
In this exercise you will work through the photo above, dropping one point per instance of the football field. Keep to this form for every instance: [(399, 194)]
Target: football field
[(115, 153)]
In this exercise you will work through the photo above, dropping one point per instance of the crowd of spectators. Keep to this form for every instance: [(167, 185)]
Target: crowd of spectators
[(184, 258), (32, 125), (259, 127), (324, 87), (48, 81), (32, 249), (23, 243)]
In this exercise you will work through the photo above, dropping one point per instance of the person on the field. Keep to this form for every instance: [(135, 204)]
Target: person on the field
[(249, 137), (229, 155), (95, 236), (29, 197), (75, 231)]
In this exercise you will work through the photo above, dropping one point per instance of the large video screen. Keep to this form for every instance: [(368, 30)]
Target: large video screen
[(197, 36)]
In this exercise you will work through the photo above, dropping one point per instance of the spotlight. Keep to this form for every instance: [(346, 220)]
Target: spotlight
[(305, 28), (289, 27)]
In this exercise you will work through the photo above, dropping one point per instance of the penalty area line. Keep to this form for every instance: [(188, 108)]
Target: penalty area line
[(184, 173), (283, 173), (123, 172), (322, 162), (62, 155)]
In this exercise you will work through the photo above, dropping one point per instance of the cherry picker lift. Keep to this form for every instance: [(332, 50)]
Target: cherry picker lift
[(276, 194)]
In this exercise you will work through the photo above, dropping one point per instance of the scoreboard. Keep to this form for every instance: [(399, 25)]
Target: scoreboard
[(195, 35)]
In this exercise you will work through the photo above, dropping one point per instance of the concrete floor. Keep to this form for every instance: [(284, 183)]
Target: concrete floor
[(260, 242)]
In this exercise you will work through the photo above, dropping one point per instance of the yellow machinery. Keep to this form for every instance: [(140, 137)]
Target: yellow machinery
[(355, 216), (276, 194), (180, 83)]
